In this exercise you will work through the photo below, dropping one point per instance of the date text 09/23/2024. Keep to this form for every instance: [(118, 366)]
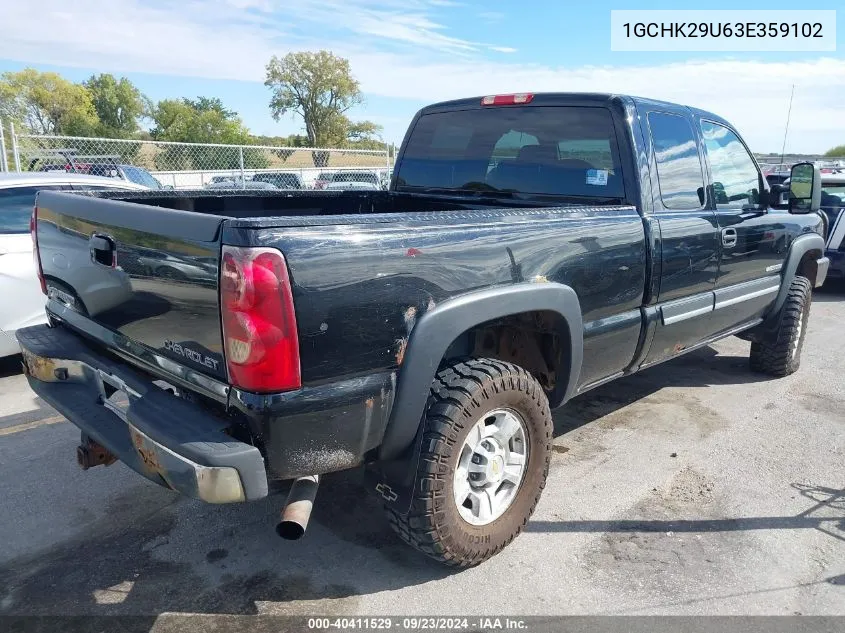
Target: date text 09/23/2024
[(419, 623)]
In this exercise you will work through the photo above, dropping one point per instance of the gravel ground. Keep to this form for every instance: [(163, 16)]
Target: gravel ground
[(695, 487)]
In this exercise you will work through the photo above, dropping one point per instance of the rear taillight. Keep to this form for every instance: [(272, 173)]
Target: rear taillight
[(259, 322), (33, 232)]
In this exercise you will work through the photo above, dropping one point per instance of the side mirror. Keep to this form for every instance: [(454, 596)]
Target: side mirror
[(805, 188)]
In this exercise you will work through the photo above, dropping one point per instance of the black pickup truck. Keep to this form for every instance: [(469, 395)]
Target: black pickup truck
[(530, 247)]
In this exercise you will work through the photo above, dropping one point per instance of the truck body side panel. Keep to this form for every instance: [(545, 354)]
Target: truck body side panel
[(360, 286)]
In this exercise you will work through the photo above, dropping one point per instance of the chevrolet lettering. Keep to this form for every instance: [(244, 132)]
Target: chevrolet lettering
[(190, 354)]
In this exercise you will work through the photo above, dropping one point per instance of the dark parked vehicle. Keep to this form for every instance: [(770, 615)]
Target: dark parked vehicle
[(368, 177), (530, 248), (218, 179), (280, 179), (108, 166)]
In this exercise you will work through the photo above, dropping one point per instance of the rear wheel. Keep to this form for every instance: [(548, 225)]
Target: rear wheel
[(779, 353), (485, 456)]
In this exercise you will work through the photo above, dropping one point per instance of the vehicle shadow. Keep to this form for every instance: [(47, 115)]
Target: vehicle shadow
[(701, 368), (161, 553), (824, 499)]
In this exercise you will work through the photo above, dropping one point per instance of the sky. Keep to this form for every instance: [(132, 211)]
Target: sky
[(408, 53)]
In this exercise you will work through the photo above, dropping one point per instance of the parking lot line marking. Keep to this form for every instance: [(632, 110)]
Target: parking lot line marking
[(11, 430)]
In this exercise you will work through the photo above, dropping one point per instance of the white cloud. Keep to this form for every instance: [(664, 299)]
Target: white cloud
[(406, 22), (408, 54), (135, 37), (503, 49), (753, 95), (413, 29)]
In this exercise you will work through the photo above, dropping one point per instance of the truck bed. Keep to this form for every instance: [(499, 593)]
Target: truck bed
[(289, 204), (363, 266)]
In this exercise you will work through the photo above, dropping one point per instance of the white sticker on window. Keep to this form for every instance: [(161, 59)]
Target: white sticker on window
[(597, 177)]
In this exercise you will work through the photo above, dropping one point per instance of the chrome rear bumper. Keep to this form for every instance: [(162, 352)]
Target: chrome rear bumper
[(167, 439)]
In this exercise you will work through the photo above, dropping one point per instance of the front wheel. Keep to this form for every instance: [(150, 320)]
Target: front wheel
[(779, 353), (485, 456)]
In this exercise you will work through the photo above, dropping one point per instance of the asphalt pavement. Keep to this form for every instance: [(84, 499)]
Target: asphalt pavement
[(695, 487)]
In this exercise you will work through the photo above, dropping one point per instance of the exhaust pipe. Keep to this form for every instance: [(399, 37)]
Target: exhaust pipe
[(298, 507)]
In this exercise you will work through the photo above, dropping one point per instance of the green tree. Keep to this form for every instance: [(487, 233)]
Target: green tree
[(320, 88), (316, 86), (292, 140), (201, 120), (211, 104), (119, 105), (365, 135), (46, 103), (283, 146), (836, 152)]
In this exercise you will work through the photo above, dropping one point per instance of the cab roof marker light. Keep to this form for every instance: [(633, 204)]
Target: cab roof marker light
[(511, 99)]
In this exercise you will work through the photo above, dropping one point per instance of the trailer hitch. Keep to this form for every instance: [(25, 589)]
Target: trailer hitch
[(90, 453)]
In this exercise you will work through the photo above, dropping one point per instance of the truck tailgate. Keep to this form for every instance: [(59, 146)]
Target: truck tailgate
[(147, 273)]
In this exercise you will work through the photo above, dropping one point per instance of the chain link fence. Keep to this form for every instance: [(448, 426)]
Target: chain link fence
[(195, 165), (190, 165)]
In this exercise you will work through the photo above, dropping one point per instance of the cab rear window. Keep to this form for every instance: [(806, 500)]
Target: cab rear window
[(554, 150)]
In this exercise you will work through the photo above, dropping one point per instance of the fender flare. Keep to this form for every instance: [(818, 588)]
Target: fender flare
[(438, 328), (801, 245)]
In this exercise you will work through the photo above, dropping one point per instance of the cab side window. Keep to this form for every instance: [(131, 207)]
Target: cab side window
[(678, 163), (736, 181)]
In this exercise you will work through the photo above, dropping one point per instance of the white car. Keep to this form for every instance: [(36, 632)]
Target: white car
[(23, 301)]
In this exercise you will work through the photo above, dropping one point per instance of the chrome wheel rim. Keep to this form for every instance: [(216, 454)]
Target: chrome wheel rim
[(491, 466)]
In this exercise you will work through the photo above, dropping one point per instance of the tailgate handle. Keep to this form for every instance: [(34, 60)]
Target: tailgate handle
[(102, 250)]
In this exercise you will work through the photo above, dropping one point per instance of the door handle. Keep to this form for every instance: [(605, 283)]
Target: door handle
[(102, 250), (728, 238)]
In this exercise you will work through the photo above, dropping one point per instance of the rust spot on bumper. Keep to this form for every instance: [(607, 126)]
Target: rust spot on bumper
[(148, 454)]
